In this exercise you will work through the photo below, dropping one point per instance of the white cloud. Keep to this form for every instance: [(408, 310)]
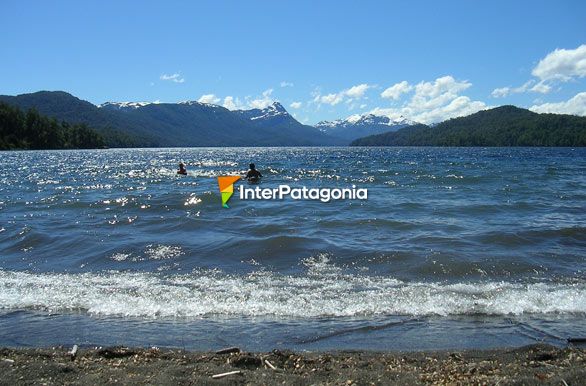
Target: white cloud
[(395, 91), (295, 105), (363, 106), (446, 85), (209, 98), (500, 92), (437, 94), (541, 87), (575, 105), (530, 85), (357, 91), (562, 65), (435, 101), (286, 84), (262, 102), (176, 78), (232, 103), (354, 92), (330, 99), (458, 107)]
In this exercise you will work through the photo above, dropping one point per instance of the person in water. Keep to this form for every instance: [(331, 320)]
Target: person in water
[(182, 169), (253, 175)]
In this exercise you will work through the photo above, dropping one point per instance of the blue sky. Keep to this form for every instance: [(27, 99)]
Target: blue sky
[(426, 60)]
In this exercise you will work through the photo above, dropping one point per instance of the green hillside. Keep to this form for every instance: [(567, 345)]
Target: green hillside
[(501, 126)]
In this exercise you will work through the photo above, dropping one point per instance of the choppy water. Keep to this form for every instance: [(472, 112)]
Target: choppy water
[(463, 247)]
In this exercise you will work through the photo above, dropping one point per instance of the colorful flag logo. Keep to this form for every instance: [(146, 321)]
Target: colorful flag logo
[(226, 184)]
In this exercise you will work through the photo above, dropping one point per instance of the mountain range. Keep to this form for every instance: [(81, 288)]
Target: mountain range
[(357, 126), (193, 123)]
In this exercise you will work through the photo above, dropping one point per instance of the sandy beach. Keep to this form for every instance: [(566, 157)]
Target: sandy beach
[(536, 364)]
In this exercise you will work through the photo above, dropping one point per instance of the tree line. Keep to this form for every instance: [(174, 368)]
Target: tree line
[(31, 130)]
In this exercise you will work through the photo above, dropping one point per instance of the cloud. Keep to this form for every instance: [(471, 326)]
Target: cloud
[(436, 94), (295, 105), (435, 101), (575, 105), (530, 85), (286, 84), (330, 99), (232, 103), (209, 99), (395, 91), (444, 86), (541, 87), (357, 91), (562, 65), (262, 102), (500, 92), (354, 92), (176, 78)]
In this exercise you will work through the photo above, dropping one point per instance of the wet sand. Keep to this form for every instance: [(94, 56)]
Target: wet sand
[(537, 364)]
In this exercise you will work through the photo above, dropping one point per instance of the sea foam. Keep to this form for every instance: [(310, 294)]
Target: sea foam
[(322, 291)]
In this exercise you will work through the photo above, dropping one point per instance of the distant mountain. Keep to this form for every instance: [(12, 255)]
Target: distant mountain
[(275, 112), (123, 105), (357, 126), (501, 126), (187, 123), (284, 126)]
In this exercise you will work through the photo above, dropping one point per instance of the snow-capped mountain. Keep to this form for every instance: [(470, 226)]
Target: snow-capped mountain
[(194, 123), (274, 119), (365, 120), (275, 110), (357, 126), (197, 103), (123, 105), (277, 122)]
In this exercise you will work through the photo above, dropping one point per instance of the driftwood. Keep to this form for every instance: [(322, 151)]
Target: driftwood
[(270, 365), (222, 375), (228, 350)]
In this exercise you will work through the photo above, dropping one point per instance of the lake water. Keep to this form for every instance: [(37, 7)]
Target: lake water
[(454, 248)]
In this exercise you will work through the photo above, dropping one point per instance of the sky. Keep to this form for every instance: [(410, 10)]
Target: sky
[(425, 60)]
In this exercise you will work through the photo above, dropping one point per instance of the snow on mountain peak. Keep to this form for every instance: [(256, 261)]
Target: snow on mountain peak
[(366, 120), (123, 105), (353, 118), (273, 110), (277, 107), (195, 103)]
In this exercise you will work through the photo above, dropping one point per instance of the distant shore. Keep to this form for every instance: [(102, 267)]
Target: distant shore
[(536, 364)]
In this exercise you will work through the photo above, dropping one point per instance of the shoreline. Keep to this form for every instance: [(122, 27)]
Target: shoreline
[(535, 364)]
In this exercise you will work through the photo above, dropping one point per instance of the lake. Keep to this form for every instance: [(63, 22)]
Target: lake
[(454, 248)]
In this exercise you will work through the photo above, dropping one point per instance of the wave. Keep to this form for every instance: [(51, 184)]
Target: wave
[(323, 290)]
